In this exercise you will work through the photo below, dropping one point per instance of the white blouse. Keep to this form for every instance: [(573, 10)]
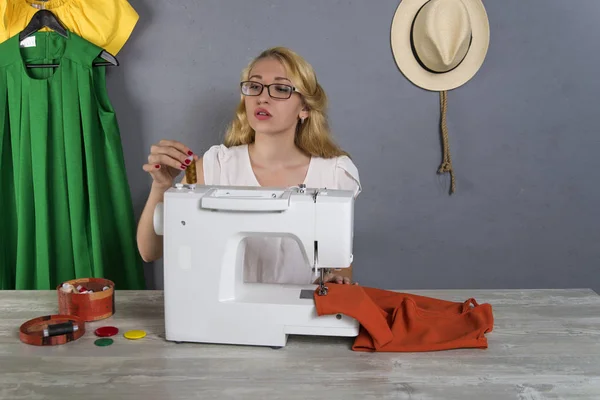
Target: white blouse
[(276, 259)]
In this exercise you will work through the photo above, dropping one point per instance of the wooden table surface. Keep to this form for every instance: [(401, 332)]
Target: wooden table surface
[(545, 345)]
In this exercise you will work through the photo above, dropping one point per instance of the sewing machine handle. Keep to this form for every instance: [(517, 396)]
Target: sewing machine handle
[(246, 200)]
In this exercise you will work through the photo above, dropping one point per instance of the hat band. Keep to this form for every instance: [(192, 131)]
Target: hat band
[(414, 50)]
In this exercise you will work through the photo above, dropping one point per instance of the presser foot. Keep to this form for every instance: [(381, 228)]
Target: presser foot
[(322, 290)]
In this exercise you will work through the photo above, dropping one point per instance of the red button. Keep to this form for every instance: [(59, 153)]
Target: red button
[(107, 331)]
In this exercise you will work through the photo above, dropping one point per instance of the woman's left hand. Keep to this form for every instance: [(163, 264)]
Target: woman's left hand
[(339, 279)]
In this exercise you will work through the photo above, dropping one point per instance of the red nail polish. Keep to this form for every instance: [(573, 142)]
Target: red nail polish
[(187, 161), (190, 153), (183, 166), (157, 166)]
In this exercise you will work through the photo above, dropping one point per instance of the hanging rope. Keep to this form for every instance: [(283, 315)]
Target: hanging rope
[(446, 165)]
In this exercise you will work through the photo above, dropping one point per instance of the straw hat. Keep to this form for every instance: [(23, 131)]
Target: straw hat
[(440, 44)]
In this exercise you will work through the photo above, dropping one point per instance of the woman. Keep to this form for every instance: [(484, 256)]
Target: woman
[(279, 137)]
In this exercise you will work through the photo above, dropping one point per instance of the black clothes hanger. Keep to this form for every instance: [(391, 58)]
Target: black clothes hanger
[(41, 19), (45, 18)]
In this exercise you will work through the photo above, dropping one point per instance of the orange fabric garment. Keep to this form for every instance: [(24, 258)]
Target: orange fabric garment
[(392, 321)]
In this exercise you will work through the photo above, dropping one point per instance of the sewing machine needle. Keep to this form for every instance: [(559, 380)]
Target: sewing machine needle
[(322, 287)]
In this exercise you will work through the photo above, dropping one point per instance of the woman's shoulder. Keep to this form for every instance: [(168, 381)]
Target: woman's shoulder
[(221, 153), (220, 162), (338, 172)]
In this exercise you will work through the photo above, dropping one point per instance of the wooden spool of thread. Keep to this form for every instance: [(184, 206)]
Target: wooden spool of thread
[(190, 172), (51, 330)]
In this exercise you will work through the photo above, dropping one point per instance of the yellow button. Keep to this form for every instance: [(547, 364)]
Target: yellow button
[(134, 334)]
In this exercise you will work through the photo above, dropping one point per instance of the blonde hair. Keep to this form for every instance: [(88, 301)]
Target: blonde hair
[(313, 136)]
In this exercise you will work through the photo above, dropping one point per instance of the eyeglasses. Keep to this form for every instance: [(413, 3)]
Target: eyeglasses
[(276, 90)]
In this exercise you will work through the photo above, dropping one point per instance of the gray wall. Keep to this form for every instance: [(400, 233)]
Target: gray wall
[(524, 132)]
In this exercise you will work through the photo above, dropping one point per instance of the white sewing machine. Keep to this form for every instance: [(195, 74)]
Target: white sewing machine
[(206, 298)]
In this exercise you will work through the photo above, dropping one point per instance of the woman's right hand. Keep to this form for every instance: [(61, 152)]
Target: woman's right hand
[(166, 160)]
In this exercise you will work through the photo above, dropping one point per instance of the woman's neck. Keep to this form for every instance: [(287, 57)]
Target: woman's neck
[(275, 150)]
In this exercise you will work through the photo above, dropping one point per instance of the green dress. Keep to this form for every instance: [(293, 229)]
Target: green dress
[(65, 203)]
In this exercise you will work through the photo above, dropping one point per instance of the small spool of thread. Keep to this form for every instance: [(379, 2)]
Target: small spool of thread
[(60, 329), (68, 288), (190, 172)]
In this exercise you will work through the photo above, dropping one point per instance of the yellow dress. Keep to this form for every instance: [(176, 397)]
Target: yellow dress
[(106, 23)]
